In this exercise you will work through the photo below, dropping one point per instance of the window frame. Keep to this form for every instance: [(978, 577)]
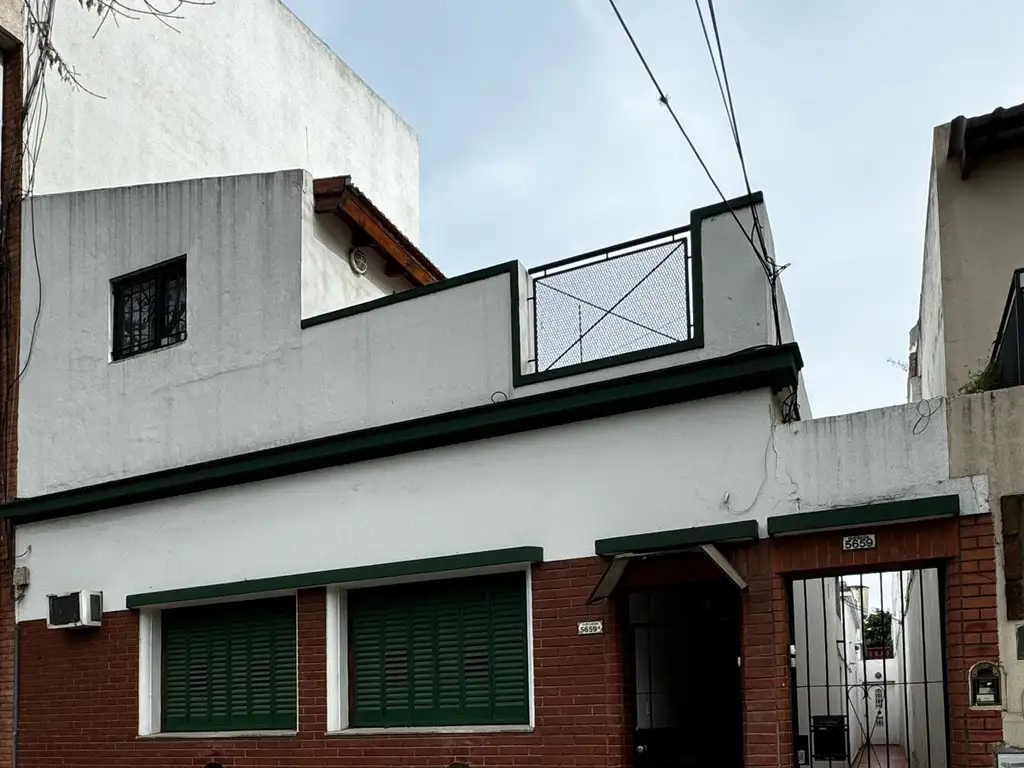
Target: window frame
[(151, 672), (162, 338), (339, 676)]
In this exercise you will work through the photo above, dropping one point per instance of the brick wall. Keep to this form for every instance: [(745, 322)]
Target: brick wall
[(79, 705), (10, 328), (966, 547), (79, 690)]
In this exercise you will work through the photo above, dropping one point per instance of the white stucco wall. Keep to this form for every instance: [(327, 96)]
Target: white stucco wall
[(860, 458), (248, 376), (931, 347), (973, 243), (328, 280), (560, 488), (923, 671), (12, 21), (244, 88)]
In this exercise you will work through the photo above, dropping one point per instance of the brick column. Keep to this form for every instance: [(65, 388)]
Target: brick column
[(10, 329)]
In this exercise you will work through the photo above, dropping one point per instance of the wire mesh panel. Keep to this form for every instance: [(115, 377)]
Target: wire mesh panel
[(868, 671), (625, 299)]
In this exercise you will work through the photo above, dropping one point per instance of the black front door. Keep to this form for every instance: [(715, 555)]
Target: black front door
[(685, 649)]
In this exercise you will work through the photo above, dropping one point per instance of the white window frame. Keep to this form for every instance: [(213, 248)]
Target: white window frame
[(338, 683), (151, 672)]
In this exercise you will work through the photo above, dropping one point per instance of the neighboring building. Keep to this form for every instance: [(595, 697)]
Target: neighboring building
[(967, 341), (537, 517)]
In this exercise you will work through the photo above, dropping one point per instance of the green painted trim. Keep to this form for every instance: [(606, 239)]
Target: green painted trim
[(510, 268), (870, 514), (520, 379), (682, 538), (773, 367), (495, 557)]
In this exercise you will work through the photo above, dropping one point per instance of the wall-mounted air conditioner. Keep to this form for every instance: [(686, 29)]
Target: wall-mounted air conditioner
[(75, 610)]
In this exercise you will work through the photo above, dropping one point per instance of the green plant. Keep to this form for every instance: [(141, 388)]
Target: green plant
[(878, 629), (985, 380)]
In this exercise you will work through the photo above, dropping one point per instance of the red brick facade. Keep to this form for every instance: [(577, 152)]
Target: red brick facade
[(78, 691), (10, 329)]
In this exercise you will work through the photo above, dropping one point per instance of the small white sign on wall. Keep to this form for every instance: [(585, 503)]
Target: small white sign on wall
[(591, 627), (859, 541)]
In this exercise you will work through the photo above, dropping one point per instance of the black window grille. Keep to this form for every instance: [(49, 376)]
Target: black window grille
[(149, 309)]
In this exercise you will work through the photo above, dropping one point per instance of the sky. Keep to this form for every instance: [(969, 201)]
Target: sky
[(541, 137)]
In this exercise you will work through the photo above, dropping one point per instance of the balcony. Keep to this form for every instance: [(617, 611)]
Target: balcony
[(1006, 365)]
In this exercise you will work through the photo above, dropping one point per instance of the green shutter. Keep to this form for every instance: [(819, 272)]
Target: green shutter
[(448, 652), (230, 667)]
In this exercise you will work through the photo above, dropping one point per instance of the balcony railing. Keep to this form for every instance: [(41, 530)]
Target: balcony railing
[(624, 299), (1006, 368)]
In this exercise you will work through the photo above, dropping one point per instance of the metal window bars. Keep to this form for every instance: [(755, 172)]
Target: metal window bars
[(149, 309), (629, 297)]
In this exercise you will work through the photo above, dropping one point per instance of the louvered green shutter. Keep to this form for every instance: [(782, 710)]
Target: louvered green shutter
[(440, 653), (229, 667)]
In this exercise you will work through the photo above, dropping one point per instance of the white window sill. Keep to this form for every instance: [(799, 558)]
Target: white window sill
[(220, 735), (414, 729)]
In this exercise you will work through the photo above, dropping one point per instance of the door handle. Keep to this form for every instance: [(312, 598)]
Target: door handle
[(641, 748)]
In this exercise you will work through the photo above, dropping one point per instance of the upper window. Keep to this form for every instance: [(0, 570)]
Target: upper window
[(440, 653), (149, 309), (229, 667)]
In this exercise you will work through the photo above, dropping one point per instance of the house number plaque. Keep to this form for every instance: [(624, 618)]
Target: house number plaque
[(859, 541), (591, 627)]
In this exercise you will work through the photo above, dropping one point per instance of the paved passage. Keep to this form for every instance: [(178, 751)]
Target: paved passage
[(878, 756)]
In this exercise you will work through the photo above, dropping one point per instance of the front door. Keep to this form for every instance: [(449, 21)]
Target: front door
[(686, 648)]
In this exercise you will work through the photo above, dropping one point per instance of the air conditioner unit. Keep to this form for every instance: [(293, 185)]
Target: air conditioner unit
[(75, 610)]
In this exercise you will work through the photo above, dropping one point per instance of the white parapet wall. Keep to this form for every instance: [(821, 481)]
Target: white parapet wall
[(259, 262)]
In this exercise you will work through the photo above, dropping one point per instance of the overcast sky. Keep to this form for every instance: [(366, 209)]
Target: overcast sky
[(541, 137)]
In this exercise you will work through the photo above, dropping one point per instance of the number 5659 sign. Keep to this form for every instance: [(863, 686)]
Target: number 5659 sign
[(859, 541)]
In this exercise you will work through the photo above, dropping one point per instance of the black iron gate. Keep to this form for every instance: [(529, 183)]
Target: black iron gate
[(868, 670)]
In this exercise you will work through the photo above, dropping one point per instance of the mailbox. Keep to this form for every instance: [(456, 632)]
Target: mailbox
[(986, 685)]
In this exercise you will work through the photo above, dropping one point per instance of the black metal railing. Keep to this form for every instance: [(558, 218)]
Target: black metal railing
[(630, 297), (1006, 367)]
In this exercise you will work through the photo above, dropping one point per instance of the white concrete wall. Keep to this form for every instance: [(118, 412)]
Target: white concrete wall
[(248, 376), (931, 348), (12, 22), (244, 88), (923, 671), (560, 488), (258, 260), (328, 280), (973, 243), (859, 458), (822, 676)]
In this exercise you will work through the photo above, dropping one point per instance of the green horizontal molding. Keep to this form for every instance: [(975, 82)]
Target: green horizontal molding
[(681, 538), (404, 568), (932, 507), (774, 367)]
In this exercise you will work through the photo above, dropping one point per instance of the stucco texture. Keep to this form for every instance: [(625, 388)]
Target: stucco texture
[(243, 87)]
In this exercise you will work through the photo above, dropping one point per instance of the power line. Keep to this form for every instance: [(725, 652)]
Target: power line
[(771, 270), (663, 99)]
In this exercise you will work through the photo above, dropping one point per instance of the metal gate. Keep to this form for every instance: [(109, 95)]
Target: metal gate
[(868, 670)]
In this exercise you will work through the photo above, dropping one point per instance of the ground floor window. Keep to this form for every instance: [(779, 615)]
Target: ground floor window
[(452, 652), (229, 667)]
